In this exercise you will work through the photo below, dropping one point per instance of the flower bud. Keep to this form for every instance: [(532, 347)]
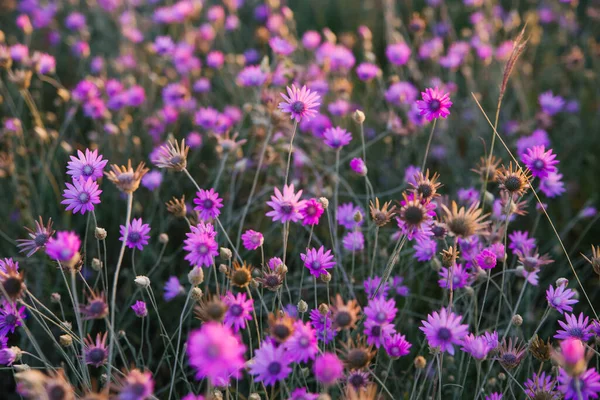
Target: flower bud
[(142, 281), (358, 216), (359, 116), (517, 320), (55, 297), (96, 264), (324, 202), (163, 238), (65, 340), (254, 396), (501, 376), (100, 233), (196, 276), (562, 281), (302, 306), (225, 253), (420, 362), (223, 268), (197, 294), (326, 277)]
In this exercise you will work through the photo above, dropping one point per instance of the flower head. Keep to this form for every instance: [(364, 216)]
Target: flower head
[(286, 206), (301, 103), (328, 368), (125, 178), (64, 247), (201, 245), (574, 327), (137, 234), (252, 240), (140, 309), (561, 298), (37, 238), (539, 161), (435, 104), (486, 259), (270, 364), (443, 329), (311, 212), (585, 386), (336, 137), (172, 156), (81, 195), (318, 261), (477, 346), (208, 204), (136, 385), (173, 288), (302, 344), (239, 310), (96, 353), (396, 345), (86, 165)]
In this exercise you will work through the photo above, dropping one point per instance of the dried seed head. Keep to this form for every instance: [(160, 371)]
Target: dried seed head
[(172, 156), (323, 308), (177, 207), (540, 350), (324, 202), (125, 178), (449, 256)]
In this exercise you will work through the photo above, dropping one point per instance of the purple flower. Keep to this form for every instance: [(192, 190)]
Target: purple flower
[(311, 212), (435, 104), (453, 278), (354, 241), (215, 353), (64, 247), (252, 240), (328, 368), (372, 283), (425, 249), (336, 137), (8, 356), (81, 195), (486, 259), (318, 261), (137, 234), (301, 103), (37, 238), (541, 383), (303, 394), (207, 118), (270, 364), (377, 333), (208, 204), (574, 327), (399, 287), (587, 384), (552, 185), (550, 103), (11, 317), (323, 325), (443, 329), (396, 345), (537, 138), (173, 288), (520, 242), (398, 53), (140, 309), (252, 76), (201, 245), (302, 345), (286, 206), (358, 166), (410, 173), (494, 396), (96, 353), (560, 298), (311, 40), (477, 346), (540, 161), (281, 46), (401, 93), (345, 215), (367, 71), (239, 310), (381, 310)]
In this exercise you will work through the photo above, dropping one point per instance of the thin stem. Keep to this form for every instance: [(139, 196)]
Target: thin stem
[(428, 145), (187, 300), (287, 169)]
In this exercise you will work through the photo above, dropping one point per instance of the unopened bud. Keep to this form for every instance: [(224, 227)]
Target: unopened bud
[(100, 233), (326, 277), (324, 202), (302, 306), (502, 376), (488, 198), (122, 334), (197, 294), (55, 297), (469, 291), (254, 396), (324, 396), (103, 379), (96, 264), (68, 326), (517, 320), (142, 281), (163, 238), (323, 308), (420, 362), (223, 268), (225, 253), (196, 276), (21, 367), (562, 281), (358, 216), (359, 116), (65, 340), (217, 394)]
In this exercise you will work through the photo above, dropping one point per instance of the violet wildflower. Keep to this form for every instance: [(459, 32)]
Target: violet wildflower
[(208, 204), (87, 165), (381, 310), (477, 346), (136, 385), (201, 245), (323, 325), (372, 283), (137, 234), (401, 93), (457, 273), (520, 242), (399, 286), (354, 241), (9, 355), (140, 309), (358, 166), (539, 161), (302, 345), (443, 329), (574, 327), (81, 195), (328, 369), (367, 71), (270, 364), (286, 206), (552, 185), (152, 180), (173, 288), (336, 137), (251, 76), (541, 386), (550, 103), (215, 353), (64, 247), (301, 103), (585, 386), (96, 307), (311, 212), (303, 394), (37, 238), (425, 249), (318, 261), (415, 217), (11, 317), (435, 104), (561, 298), (252, 240), (281, 46), (239, 310), (494, 396), (486, 259), (346, 213), (396, 345), (96, 353), (206, 118), (377, 333), (398, 53)]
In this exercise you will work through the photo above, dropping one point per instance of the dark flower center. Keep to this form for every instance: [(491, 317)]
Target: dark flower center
[(213, 351), (84, 197), (96, 356), (576, 332), (10, 320), (425, 190), (176, 159), (57, 393), (413, 215), (310, 210), (357, 380), (236, 310), (87, 170), (509, 358), (444, 334), (274, 368), (357, 358), (438, 231), (435, 105), (376, 331), (134, 237), (271, 281), (208, 203), (12, 286), (96, 308), (512, 183), (287, 208), (343, 319), (298, 107), (281, 331), (138, 389), (41, 239), (538, 164)]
